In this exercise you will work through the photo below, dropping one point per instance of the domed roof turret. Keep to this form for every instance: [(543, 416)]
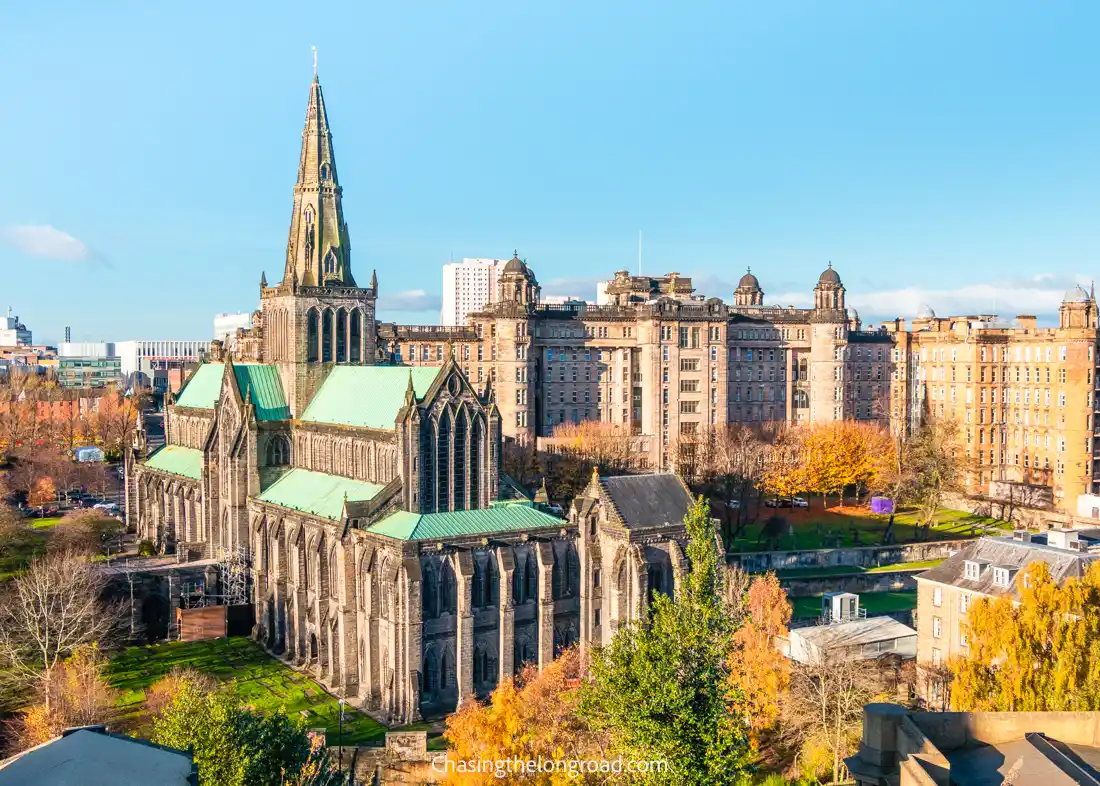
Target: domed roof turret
[(749, 280), (925, 312), (515, 265), (852, 313), (830, 276), (1076, 294)]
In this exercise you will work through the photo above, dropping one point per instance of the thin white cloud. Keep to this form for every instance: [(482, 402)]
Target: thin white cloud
[(410, 300), (1040, 295), (43, 241)]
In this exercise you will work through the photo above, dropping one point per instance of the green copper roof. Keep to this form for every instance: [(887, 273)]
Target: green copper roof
[(266, 387), (366, 396), (403, 525), (317, 493), (177, 460), (202, 388)]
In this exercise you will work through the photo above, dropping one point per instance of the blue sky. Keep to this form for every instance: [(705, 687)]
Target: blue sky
[(934, 151)]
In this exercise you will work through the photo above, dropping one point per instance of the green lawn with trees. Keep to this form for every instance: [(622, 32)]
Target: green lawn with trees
[(258, 679), (793, 529)]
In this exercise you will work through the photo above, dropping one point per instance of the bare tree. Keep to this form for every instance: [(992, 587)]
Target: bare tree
[(933, 467), (824, 708), (47, 612)]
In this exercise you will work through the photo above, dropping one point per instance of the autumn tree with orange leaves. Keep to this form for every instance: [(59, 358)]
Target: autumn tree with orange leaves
[(759, 673), (527, 717), (827, 458)]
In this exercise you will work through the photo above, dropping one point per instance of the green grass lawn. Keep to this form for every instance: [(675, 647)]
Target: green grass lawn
[(28, 543), (874, 602), (238, 663), (843, 527), (853, 570)]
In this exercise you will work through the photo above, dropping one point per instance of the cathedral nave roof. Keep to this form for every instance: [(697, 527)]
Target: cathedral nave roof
[(367, 396), (318, 493)]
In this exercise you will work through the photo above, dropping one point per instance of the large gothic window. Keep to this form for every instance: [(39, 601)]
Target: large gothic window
[(431, 593), (311, 336), (476, 433), (330, 263), (326, 337), (448, 590), (356, 336), (341, 336), (801, 400), (460, 462), (531, 578), (478, 589), (443, 463)]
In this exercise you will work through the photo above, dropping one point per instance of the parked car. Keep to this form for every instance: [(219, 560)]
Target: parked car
[(734, 504), (556, 509), (799, 502)]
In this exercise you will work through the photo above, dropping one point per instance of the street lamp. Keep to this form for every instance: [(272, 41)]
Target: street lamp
[(340, 766)]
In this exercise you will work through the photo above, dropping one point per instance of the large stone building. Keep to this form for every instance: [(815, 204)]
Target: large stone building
[(1023, 396), (387, 549)]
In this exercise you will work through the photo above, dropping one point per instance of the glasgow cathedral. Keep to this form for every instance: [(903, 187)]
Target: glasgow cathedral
[(388, 552)]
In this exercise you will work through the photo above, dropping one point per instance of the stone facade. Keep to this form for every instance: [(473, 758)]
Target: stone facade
[(386, 550)]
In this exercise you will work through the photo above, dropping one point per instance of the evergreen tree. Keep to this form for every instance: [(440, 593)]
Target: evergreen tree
[(661, 689), (236, 746)]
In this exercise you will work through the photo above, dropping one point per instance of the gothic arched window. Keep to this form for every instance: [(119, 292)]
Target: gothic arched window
[(278, 450), (448, 589), (531, 578), (311, 335), (431, 593), (478, 590)]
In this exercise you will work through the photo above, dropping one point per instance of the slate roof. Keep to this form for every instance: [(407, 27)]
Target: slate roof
[(366, 396), (201, 390), (266, 387), (177, 460), (1005, 552), (648, 500), (317, 493), (91, 757), (510, 517)]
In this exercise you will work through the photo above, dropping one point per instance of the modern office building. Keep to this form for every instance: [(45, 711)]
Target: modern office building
[(148, 357), (13, 333)]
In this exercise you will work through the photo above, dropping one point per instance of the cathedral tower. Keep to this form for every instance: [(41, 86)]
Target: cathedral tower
[(317, 316)]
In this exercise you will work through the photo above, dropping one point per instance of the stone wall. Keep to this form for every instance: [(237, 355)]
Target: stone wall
[(405, 759), (894, 581), (855, 556)]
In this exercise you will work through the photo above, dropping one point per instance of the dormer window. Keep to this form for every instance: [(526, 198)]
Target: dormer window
[(972, 570), (1002, 577)]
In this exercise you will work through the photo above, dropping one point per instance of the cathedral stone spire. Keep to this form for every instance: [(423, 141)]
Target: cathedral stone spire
[(318, 249)]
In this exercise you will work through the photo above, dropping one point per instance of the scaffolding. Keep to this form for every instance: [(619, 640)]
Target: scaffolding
[(234, 574)]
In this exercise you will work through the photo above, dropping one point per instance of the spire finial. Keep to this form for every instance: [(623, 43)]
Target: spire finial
[(830, 264), (515, 253), (314, 63), (748, 268)]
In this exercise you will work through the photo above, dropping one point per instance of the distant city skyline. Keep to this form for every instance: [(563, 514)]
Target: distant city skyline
[(914, 147)]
